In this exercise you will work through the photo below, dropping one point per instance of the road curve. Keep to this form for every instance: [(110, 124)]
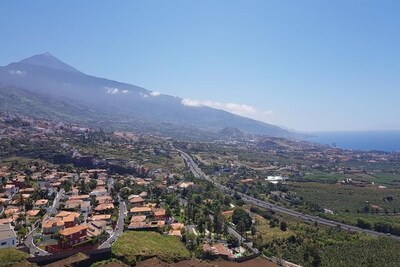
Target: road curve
[(33, 249), (198, 173), (119, 228)]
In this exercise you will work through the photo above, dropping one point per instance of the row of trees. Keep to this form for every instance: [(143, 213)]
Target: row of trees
[(382, 227)]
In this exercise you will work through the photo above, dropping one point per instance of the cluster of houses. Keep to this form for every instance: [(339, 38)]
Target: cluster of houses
[(30, 201), (21, 204), (148, 216), (68, 220), (81, 217), (35, 130)]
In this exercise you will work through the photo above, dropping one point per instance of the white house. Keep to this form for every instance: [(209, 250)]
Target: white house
[(8, 238), (85, 206), (98, 192), (275, 179)]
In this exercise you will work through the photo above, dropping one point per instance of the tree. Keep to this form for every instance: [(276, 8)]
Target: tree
[(312, 253), (218, 224), (191, 241), (21, 201), (363, 224), (197, 199), (177, 210), (240, 215), (388, 198), (92, 184), (168, 213), (66, 185), (232, 240), (227, 200), (83, 187), (201, 225), (29, 204), (226, 232), (366, 209), (283, 226), (253, 230), (21, 218), (208, 224), (241, 228), (272, 223), (23, 231)]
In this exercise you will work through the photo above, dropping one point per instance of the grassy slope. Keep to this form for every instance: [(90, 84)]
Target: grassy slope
[(11, 256), (132, 245), (28, 103)]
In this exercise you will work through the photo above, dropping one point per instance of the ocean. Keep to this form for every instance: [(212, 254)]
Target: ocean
[(388, 141)]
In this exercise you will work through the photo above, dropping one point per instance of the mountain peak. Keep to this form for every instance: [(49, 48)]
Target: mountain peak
[(48, 60)]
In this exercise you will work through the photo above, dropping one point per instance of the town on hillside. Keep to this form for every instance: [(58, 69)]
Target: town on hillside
[(114, 195)]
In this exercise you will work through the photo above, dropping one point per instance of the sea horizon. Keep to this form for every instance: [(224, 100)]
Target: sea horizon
[(383, 140)]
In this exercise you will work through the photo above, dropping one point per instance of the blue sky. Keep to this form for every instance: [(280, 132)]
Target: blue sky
[(306, 65)]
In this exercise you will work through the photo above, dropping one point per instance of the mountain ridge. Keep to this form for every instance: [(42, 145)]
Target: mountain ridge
[(46, 75)]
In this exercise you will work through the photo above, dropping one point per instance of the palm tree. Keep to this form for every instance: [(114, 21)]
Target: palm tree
[(21, 218), (21, 202)]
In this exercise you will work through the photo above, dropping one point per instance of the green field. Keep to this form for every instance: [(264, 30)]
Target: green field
[(133, 246), (386, 178), (12, 256), (351, 218), (373, 252), (341, 198), (333, 248), (379, 178), (324, 176), (308, 245)]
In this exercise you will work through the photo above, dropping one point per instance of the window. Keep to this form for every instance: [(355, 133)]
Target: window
[(3, 243)]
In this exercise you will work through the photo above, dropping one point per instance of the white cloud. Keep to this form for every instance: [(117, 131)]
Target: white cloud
[(114, 90), (155, 93), (238, 109), (18, 72), (191, 103)]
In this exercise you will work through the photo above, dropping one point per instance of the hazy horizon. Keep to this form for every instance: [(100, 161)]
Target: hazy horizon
[(309, 66)]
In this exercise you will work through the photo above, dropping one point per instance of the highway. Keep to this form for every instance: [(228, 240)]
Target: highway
[(198, 173)]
